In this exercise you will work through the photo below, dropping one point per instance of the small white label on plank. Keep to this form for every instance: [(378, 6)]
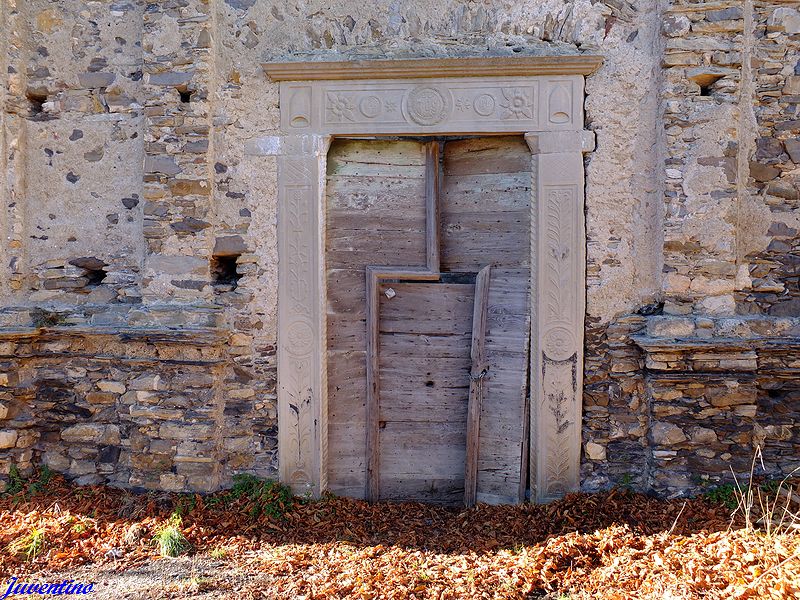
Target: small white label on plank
[(390, 293)]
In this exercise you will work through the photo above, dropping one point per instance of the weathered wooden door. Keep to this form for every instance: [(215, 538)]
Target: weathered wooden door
[(424, 357), (379, 214)]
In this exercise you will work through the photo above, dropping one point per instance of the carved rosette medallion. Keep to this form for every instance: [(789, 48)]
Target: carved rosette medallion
[(370, 106), (517, 103), (428, 105), (301, 338), (484, 104), (559, 343), (339, 107)]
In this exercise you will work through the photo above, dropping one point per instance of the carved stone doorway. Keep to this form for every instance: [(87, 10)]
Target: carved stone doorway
[(539, 97)]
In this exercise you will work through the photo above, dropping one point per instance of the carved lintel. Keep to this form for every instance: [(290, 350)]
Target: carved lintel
[(558, 280), (413, 106)]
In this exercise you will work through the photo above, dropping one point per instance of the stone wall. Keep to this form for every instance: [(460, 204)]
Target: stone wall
[(691, 386), (137, 218), (123, 398)]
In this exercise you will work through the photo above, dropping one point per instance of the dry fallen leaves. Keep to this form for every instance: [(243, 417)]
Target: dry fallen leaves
[(611, 545)]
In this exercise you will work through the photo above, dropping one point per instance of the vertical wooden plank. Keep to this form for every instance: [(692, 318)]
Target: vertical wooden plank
[(526, 416), (476, 384), (373, 304), (433, 151)]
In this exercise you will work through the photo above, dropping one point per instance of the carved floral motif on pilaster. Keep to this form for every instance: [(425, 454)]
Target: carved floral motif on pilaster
[(557, 317)]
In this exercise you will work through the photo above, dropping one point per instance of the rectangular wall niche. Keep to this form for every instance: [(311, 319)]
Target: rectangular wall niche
[(422, 279), (403, 205)]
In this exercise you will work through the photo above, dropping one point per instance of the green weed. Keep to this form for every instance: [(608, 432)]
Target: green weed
[(33, 486), (185, 504), (39, 485), (16, 482), (724, 494), (170, 539), (267, 497), (30, 545)]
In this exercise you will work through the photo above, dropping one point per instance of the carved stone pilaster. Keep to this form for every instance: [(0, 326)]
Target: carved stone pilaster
[(558, 279), (302, 377)]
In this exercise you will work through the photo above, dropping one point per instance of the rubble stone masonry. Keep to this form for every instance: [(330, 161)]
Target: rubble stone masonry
[(138, 253)]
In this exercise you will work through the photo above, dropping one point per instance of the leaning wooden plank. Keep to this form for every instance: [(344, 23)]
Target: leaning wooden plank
[(500, 474), (526, 411), (476, 384), (374, 275), (373, 303)]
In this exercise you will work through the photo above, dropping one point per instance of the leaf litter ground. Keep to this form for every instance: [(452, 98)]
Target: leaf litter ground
[(611, 545)]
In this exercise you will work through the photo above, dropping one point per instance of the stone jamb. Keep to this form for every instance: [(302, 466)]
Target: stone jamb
[(406, 99)]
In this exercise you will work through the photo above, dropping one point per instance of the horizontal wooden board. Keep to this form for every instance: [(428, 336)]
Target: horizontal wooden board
[(473, 193), (347, 387), (452, 404), (347, 249), (425, 346), (374, 157), (432, 449), (380, 196), (426, 308), (496, 154), (346, 458), (419, 489), (486, 204), (346, 332), (347, 291), (467, 252), (496, 222), (378, 225)]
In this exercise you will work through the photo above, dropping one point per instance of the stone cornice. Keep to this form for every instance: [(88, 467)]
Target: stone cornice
[(656, 344), (422, 68), (779, 355)]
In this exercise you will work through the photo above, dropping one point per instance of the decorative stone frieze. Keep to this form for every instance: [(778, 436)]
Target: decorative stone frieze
[(490, 105)]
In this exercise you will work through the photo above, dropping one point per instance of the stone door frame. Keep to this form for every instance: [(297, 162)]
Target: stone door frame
[(540, 97)]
